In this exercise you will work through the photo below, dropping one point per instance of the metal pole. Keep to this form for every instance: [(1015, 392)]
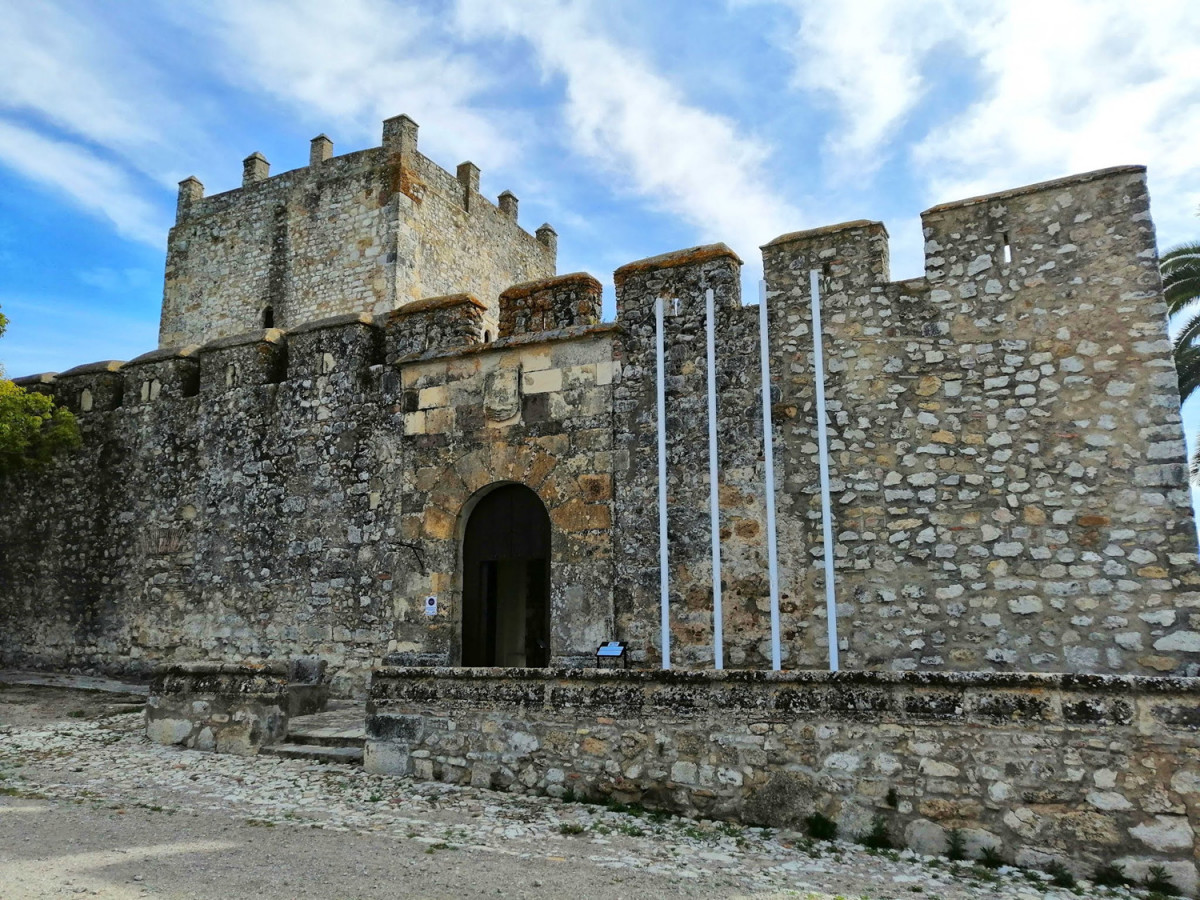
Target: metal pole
[(714, 503), (769, 464), (823, 445), (664, 598)]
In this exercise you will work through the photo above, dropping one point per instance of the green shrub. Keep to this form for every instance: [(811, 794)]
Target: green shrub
[(821, 827)]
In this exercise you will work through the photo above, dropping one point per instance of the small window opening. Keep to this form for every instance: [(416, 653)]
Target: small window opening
[(1007, 248), (487, 336), (269, 317)]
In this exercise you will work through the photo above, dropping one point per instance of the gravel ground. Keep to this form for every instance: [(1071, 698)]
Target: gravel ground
[(89, 807)]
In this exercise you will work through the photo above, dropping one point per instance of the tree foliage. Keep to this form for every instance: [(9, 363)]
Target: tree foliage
[(1181, 285), (32, 428)]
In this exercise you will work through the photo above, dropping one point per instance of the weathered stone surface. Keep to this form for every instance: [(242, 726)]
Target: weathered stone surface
[(293, 492), (772, 748), (362, 233)]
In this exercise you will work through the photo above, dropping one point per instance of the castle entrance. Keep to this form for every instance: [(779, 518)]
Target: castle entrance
[(506, 580)]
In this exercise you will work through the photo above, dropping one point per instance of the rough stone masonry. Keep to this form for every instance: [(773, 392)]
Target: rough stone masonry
[(360, 360), (1008, 464)]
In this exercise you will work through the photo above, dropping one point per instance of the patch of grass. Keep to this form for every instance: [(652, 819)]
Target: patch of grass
[(375, 798), (729, 830), (821, 827), (1111, 875), (1060, 875), (658, 817), (440, 845), (956, 845), (78, 714), (22, 793), (260, 823), (1159, 882), (630, 830), (877, 838), (990, 858), (601, 828), (570, 828)]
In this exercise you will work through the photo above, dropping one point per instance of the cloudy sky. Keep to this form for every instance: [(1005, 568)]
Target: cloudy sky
[(633, 127)]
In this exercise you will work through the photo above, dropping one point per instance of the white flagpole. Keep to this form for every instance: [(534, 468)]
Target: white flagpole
[(823, 447), (664, 598), (714, 504), (764, 352)]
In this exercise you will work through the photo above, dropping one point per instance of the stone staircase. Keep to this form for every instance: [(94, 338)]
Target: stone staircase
[(335, 735)]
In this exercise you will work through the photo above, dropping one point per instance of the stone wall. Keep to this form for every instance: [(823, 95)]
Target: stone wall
[(362, 233), (1083, 770), (230, 708), (1008, 468), (1007, 456), (286, 494)]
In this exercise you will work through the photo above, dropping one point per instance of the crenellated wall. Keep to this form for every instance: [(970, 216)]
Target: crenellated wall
[(366, 232), (1007, 461)]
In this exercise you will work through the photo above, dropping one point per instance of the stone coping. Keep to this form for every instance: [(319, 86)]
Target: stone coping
[(96, 368), (810, 233), (33, 380), (690, 256), (582, 279), (333, 322), (1053, 184), (272, 667), (572, 333), (447, 301), (165, 354), (1137, 684), (261, 336)]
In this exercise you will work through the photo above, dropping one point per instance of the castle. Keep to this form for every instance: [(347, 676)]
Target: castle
[(381, 430)]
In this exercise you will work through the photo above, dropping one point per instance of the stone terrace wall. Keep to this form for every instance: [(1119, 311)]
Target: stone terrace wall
[(1084, 770), (361, 233)]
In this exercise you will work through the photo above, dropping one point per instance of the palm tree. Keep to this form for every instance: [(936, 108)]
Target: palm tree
[(1180, 268)]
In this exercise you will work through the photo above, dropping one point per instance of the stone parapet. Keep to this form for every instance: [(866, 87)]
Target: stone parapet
[(230, 707), (1083, 770), (565, 301)]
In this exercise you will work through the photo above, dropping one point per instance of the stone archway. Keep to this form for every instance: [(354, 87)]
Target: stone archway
[(506, 580)]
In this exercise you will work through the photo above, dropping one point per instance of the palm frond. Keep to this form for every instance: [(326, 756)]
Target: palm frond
[(1186, 339)]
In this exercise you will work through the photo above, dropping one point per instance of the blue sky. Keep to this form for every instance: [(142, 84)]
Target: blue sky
[(634, 128)]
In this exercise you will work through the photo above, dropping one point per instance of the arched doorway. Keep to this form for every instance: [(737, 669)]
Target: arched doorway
[(506, 580)]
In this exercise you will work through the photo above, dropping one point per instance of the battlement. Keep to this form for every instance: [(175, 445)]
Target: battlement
[(992, 249), (364, 232)]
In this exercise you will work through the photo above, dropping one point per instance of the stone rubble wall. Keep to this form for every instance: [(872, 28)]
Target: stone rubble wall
[(1008, 468), (1007, 456), (227, 708), (287, 494), (365, 232), (1083, 770)]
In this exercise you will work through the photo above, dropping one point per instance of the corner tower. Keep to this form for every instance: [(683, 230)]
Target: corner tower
[(366, 232)]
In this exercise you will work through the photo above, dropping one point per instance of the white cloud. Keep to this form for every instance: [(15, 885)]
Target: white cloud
[(623, 115), (866, 58), (1060, 87), (1077, 85), (354, 63), (100, 187), (76, 73)]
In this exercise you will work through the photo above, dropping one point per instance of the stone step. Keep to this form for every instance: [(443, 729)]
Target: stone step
[(316, 753), (328, 737)]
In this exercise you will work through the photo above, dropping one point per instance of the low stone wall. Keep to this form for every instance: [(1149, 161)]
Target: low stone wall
[(230, 708), (1082, 769)]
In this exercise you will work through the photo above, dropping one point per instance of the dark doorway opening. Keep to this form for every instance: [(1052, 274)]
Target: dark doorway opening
[(506, 581)]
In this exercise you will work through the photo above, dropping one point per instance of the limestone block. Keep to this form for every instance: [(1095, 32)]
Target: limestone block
[(390, 758)]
